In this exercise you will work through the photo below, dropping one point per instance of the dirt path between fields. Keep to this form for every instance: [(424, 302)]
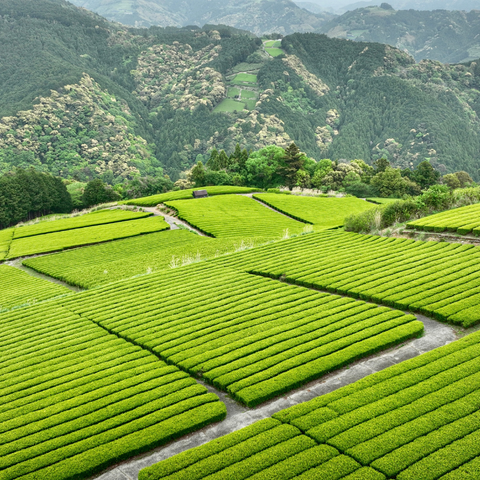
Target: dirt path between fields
[(174, 222), (17, 263), (436, 335)]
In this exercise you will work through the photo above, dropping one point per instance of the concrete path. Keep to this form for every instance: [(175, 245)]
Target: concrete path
[(238, 416)]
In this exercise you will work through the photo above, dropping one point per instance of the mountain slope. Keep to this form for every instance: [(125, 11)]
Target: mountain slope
[(447, 36), (82, 97), (257, 16)]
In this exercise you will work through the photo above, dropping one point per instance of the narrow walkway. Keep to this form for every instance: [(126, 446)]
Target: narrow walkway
[(173, 221), (238, 416), (17, 263)]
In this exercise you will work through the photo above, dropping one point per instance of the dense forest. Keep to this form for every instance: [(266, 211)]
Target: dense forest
[(84, 98)]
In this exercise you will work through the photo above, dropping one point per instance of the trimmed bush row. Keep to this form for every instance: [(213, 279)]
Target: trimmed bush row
[(20, 288), (234, 216), (154, 200), (262, 451), (419, 419), (460, 220), (108, 262), (5, 241), (438, 279), (75, 399), (51, 242), (325, 212), (99, 217), (251, 336)]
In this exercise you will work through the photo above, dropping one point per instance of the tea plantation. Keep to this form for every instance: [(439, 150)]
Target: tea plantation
[(234, 216), (415, 420), (214, 335), (460, 220)]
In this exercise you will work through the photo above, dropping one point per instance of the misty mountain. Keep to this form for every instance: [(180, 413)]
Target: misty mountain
[(447, 36), (257, 16), (342, 6)]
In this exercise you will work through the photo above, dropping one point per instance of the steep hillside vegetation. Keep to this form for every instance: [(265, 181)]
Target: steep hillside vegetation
[(257, 16), (447, 36), (81, 97)]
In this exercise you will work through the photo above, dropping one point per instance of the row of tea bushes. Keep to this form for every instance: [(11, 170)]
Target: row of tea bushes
[(19, 288), (265, 450), (75, 399), (99, 217), (52, 242), (439, 279), (251, 336), (327, 212), (234, 216), (415, 420), (109, 262), (460, 220)]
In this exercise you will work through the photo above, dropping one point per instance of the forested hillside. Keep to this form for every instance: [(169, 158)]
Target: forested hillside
[(447, 36), (82, 98)]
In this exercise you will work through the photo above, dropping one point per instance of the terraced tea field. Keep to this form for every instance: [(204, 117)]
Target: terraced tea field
[(109, 262), (234, 216), (325, 212), (154, 200), (90, 379), (438, 279), (52, 242), (462, 220), (416, 420), (74, 398), (19, 288), (253, 337), (6, 237), (100, 217)]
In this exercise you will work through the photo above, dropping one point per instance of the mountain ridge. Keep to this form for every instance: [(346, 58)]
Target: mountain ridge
[(162, 99), (257, 16)]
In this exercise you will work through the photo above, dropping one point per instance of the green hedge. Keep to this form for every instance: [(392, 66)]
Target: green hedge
[(248, 335), (437, 279), (74, 399), (52, 242), (155, 200)]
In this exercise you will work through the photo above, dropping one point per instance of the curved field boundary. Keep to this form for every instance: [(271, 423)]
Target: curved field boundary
[(234, 216), (101, 217), (324, 212), (417, 419), (19, 288), (57, 241)]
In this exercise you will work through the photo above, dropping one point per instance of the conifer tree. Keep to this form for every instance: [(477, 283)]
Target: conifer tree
[(292, 162)]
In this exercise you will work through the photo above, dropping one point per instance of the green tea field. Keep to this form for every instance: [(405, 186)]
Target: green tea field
[(234, 216), (319, 211), (241, 336), (462, 220)]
